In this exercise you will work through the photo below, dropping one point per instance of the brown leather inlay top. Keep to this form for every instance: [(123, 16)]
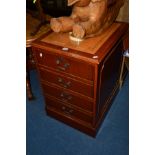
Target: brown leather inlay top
[(89, 45)]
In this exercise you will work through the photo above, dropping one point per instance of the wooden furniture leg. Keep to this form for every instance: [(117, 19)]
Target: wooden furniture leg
[(30, 64), (121, 73), (28, 87)]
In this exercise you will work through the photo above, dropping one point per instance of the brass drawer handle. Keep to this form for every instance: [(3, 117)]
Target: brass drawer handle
[(63, 83), (65, 96), (61, 64), (67, 111), (64, 67)]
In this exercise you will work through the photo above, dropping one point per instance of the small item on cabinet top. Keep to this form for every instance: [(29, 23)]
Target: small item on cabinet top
[(65, 49)]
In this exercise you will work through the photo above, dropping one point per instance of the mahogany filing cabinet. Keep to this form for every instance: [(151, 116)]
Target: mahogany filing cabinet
[(80, 79)]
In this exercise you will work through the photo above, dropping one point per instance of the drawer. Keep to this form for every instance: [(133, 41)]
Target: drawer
[(66, 82), (67, 97), (66, 110), (68, 65)]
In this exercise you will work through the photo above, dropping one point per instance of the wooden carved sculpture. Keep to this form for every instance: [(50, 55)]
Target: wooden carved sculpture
[(88, 17)]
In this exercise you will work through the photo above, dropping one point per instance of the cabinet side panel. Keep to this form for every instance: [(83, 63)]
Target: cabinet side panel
[(109, 71)]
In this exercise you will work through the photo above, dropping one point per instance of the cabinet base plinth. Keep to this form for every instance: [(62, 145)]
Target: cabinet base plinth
[(80, 125)]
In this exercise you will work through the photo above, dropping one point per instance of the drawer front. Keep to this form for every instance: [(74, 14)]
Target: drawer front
[(66, 82), (68, 97), (64, 64), (66, 110)]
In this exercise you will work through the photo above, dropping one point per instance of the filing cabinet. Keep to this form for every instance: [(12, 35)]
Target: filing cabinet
[(80, 79)]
